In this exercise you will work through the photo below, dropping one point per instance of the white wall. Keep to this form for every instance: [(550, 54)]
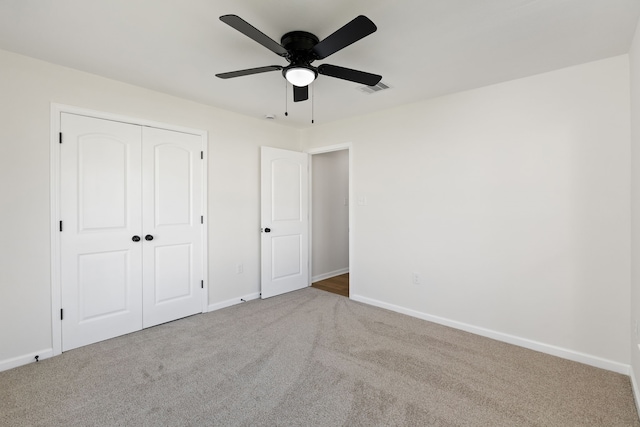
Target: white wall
[(27, 88), (634, 56), (330, 214), (510, 201)]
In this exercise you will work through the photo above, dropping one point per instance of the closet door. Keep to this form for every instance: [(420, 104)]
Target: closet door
[(100, 212), (172, 208)]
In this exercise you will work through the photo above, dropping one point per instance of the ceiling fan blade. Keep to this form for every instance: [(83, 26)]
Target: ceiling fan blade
[(248, 71), (253, 33), (359, 28), (300, 93), (349, 74)]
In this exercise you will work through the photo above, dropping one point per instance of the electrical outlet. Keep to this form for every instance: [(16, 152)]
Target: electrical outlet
[(415, 278), (239, 268)]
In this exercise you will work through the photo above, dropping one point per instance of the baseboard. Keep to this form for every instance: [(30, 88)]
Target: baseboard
[(234, 301), (5, 365), (329, 275), (564, 353)]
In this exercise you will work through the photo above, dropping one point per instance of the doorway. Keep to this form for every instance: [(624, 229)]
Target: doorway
[(330, 200)]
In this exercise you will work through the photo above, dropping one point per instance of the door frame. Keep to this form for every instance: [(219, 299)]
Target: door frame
[(54, 179), (321, 150)]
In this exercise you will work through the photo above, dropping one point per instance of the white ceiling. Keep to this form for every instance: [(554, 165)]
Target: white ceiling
[(423, 48)]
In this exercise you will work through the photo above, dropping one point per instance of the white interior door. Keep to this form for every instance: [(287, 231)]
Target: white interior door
[(285, 221), (100, 209), (172, 228)]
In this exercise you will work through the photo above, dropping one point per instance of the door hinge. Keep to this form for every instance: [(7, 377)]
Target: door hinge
[(202, 284), (61, 314), (60, 138), (202, 155), (201, 219), (60, 225)]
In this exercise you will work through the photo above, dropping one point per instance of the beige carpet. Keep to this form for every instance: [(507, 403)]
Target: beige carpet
[(310, 358)]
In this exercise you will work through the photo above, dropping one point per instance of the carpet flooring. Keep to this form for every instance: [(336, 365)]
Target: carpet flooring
[(310, 358)]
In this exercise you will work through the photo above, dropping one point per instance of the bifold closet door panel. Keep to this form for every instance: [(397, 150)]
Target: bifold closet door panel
[(100, 212), (172, 171)]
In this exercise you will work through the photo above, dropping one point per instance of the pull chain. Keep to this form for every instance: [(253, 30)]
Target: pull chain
[(286, 99), (313, 97)]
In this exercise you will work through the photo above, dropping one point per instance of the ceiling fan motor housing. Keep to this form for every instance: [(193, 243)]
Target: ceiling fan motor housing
[(299, 45)]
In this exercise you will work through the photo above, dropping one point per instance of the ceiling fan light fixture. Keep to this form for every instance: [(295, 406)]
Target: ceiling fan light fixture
[(301, 48), (300, 76)]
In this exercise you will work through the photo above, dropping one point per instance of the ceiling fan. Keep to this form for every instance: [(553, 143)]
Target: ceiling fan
[(301, 48)]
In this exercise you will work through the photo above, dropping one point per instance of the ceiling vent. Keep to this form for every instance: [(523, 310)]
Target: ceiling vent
[(373, 89)]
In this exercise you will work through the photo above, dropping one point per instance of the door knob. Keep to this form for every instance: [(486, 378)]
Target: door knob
[(267, 230), (136, 238), (148, 237)]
